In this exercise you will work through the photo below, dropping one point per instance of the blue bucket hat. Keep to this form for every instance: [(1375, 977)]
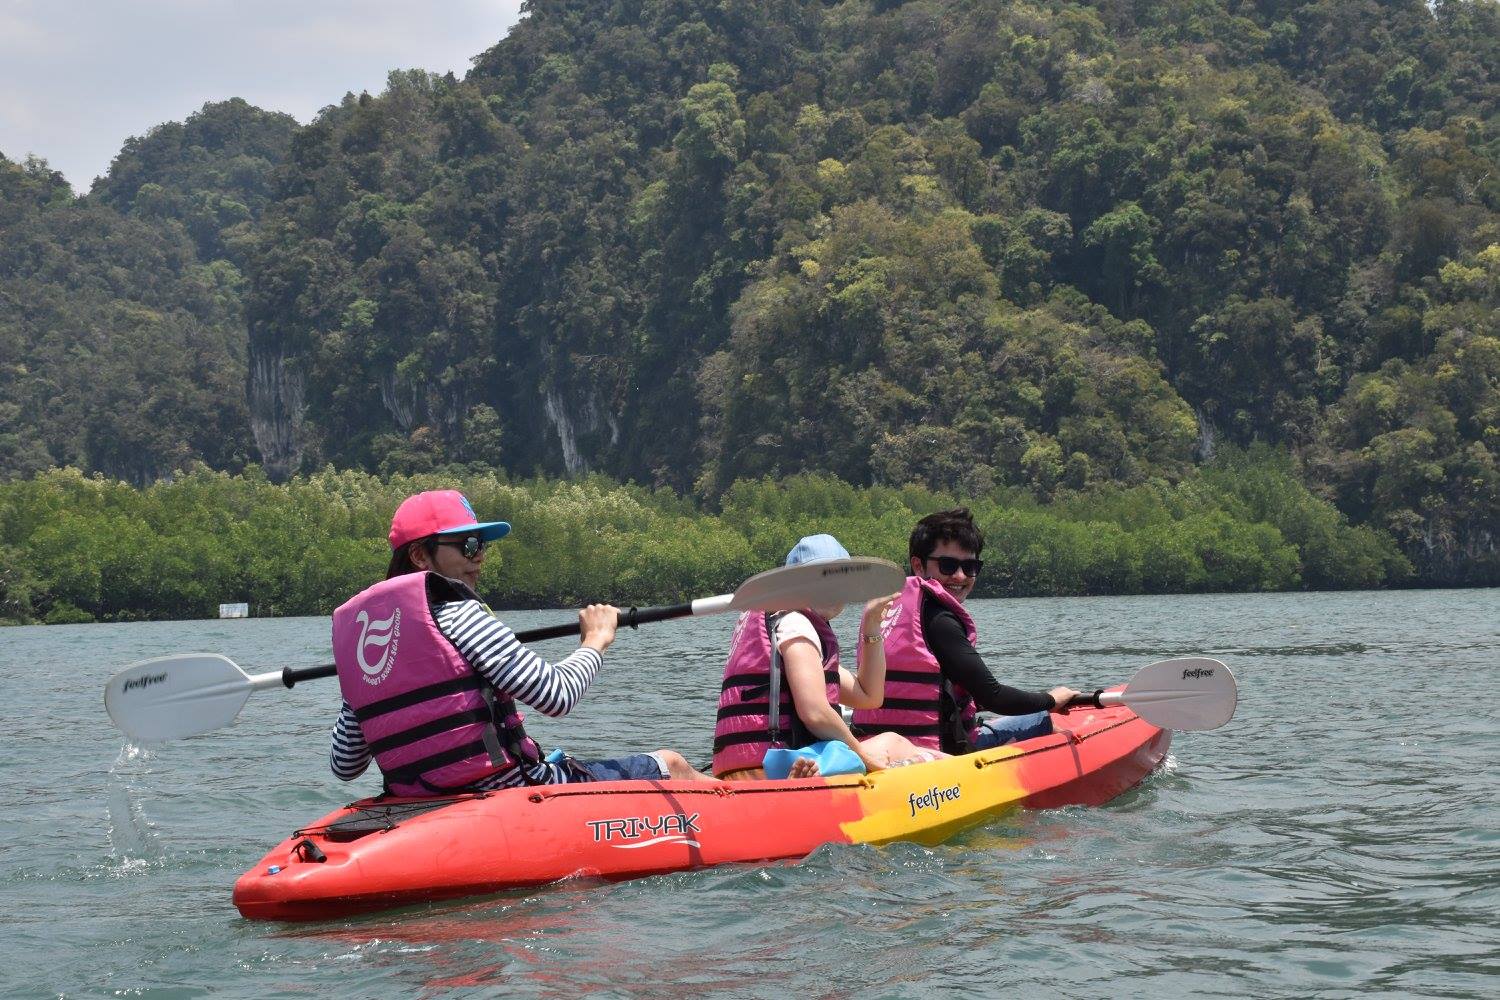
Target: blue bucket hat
[(815, 548)]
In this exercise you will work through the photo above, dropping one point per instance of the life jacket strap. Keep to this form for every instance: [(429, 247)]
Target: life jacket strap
[(797, 733), (432, 728), (954, 735), (522, 748), (754, 708), (763, 691), (773, 689), (468, 682), (740, 680), (910, 704), (909, 729), (412, 773), (911, 676), (735, 739)]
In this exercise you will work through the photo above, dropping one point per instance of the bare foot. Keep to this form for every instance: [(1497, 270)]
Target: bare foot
[(803, 767)]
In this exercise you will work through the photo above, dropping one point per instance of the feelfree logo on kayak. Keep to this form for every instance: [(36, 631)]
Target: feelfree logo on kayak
[(933, 798)]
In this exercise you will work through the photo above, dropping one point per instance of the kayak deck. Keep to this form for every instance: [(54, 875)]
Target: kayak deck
[(379, 853)]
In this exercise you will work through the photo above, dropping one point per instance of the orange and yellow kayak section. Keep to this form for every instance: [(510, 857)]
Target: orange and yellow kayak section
[(380, 853)]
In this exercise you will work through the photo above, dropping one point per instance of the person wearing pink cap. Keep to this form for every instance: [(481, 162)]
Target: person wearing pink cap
[(431, 678)]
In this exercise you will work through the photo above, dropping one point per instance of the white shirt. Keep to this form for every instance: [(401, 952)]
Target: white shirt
[(796, 625)]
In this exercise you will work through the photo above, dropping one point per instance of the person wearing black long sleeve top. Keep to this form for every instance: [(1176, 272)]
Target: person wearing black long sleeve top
[(963, 665), (945, 547)]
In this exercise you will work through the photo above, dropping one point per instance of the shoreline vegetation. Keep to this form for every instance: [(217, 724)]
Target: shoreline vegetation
[(77, 548)]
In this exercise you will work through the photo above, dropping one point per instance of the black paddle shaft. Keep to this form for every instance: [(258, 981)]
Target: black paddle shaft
[(630, 618)]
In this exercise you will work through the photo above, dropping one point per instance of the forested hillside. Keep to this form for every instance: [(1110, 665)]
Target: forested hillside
[(122, 335), (975, 246)]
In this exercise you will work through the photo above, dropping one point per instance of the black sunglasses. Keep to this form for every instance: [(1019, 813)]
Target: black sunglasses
[(948, 565), (471, 545)]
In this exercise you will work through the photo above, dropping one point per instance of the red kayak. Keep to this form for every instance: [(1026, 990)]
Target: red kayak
[(379, 853)]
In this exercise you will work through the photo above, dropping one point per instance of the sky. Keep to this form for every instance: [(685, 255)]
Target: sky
[(79, 77)]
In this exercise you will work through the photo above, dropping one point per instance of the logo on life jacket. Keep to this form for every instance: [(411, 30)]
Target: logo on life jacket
[(739, 630), (672, 828), (384, 635), (890, 619)]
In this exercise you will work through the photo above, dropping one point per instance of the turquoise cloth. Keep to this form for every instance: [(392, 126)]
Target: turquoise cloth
[(833, 757)]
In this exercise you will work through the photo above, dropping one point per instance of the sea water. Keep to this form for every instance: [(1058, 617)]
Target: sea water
[(1339, 837)]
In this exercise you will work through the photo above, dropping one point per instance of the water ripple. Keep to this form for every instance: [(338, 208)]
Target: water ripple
[(1339, 837)]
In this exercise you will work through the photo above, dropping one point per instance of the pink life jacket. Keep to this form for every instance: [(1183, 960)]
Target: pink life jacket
[(431, 722), (744, 730), (913, 678)]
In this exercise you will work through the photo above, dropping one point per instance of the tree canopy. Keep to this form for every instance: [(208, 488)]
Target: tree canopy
[(969, 245)]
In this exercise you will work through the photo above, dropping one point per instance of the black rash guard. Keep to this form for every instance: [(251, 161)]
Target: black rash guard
[(963, 665)]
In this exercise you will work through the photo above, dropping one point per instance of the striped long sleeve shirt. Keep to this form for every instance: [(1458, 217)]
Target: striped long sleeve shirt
[(512, 669)]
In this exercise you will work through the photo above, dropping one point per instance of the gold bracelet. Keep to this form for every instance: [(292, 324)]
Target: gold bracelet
[(871, 639)]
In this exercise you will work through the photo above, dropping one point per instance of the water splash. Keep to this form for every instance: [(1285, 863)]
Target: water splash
[(133, 842)]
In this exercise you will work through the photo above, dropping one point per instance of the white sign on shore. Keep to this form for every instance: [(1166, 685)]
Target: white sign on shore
[(234, 611)]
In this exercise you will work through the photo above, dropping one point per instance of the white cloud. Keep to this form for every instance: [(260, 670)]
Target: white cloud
[(77, 77)]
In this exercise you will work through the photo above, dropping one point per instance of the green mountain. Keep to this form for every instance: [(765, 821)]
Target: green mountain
[(962, 243), (122, 337)]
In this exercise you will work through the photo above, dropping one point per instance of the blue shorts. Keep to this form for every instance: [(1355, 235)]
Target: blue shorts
[(1003, 729), (634, 767)]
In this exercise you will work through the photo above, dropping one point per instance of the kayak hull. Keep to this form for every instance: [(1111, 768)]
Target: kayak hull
[(349, 862)]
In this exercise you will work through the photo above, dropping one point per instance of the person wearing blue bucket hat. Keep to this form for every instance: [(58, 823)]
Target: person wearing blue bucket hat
[(783, 687), (816, 548)]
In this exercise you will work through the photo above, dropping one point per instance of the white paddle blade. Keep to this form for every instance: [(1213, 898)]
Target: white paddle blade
[(818, 584), (171, 697), (1188, 693)]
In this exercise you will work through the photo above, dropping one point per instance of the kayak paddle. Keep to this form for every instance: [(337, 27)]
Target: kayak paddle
[(172, 697), (1188, 693)]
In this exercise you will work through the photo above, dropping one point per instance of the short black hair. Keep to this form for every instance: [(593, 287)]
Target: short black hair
[(955, 525)]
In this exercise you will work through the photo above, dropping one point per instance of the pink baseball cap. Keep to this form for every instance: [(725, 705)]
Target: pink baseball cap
[(440, 512)]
